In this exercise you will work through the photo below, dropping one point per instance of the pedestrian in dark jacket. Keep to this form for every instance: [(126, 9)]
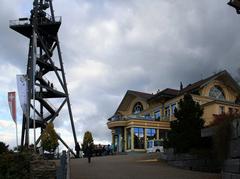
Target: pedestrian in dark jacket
[(89, 152), (77, 148)]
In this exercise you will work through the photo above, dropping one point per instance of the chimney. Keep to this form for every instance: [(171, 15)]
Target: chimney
[(181, 86)]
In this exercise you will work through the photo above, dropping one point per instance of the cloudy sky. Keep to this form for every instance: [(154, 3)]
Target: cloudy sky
[(110, 46)]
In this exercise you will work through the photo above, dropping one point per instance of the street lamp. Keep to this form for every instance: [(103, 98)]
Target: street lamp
[(235, 4)]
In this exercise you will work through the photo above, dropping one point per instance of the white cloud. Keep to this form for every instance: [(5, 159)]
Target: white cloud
[(6, 124), (8, 132), (8, 77)]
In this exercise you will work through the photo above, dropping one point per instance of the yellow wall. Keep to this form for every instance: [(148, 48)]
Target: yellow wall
[(208, 113), (214, 108), (230, 95), (202, 99), (133, 102)]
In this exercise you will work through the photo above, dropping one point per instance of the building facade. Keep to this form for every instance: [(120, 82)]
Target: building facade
[(141, 116)]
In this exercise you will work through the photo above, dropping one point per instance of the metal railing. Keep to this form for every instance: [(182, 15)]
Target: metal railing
[(149, 118), (44, 20), (19, 22), (138, 117), (120, 118)]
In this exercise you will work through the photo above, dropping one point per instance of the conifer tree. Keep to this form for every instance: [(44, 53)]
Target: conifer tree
[(185, 131)]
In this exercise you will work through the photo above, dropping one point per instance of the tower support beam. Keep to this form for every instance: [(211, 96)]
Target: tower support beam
[(44, 61)]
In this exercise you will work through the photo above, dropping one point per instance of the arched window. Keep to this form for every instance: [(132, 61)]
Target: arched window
[(217, 92), (137, 108)]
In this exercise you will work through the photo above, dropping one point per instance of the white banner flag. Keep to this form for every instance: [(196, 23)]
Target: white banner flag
[(22, 86)]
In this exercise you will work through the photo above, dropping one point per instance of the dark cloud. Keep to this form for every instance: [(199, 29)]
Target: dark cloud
[(112, 46)]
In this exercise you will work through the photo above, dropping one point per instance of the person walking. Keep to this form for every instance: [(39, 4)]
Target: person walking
[(77, 148), (89, 152)]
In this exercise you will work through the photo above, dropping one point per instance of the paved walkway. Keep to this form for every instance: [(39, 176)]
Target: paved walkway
[(131, 166)]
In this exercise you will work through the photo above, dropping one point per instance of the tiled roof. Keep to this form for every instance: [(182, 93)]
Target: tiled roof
[(196, 85), (140, 94), (170, 91), (129, 93), (188, 89), (166, 92)]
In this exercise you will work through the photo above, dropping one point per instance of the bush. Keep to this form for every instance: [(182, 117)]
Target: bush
[(3, 148), (218, 119), (15, 165), (221, 139)]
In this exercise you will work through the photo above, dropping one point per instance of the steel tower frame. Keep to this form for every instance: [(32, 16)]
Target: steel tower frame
[(42, 31)]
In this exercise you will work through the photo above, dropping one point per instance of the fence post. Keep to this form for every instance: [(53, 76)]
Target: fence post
[(68, 164), (62, 170)]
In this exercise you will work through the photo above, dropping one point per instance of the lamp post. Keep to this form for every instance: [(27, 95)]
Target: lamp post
[(235, 4)]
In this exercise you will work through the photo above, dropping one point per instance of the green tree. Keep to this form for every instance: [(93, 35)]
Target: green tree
[(87, 140), (185, 132), (49, 138), (3, 147)]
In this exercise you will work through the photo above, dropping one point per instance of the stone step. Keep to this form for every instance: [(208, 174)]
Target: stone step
[(230, 176), (235, 148), (232, 166)]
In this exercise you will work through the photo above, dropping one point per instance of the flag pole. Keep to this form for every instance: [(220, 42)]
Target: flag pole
[(16, 127), (33, 86), (16, 135)]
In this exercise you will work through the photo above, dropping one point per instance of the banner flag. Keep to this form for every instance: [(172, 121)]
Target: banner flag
[(22, 86), (12, 104)]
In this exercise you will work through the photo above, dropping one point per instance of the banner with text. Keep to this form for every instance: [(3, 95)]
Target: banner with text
[(22, 86)]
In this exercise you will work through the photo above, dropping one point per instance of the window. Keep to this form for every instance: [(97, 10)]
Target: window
[(217, 92), (158, 143), (230, 110), (138, 107), (149, 144), (167, 111), (163, 134), (173, 106), (147, 116), (129, 138), (115, 142), (237, 101), (151, 134), (157, 115), (221, 110), (138, 138)]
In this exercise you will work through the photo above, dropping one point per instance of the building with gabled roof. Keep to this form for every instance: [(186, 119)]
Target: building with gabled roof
[(142, 116)]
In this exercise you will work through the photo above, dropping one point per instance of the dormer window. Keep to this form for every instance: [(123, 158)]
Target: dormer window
[(138, 107), (217, 93)]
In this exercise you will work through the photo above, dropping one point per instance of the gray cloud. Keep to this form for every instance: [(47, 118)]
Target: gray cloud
[(111, 46)]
